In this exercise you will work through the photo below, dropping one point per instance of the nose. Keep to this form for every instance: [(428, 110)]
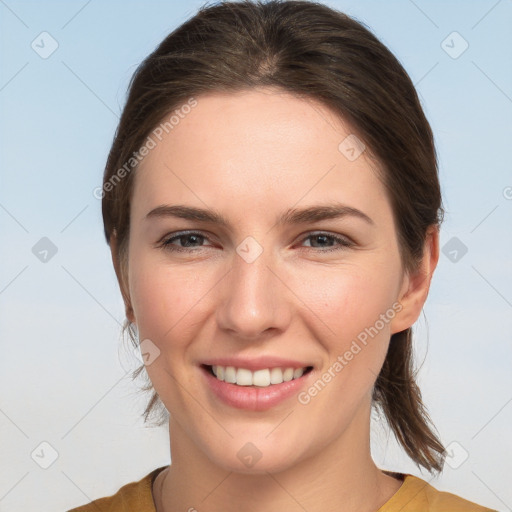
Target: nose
[(254, 302)]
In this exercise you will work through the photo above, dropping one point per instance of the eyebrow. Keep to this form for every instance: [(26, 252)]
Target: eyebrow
[(291, 216)]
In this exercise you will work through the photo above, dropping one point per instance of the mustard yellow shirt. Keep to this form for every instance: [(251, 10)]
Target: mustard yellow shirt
[(414, 495)]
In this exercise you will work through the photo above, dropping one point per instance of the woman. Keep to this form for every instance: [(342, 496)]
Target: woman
[(272, 205)]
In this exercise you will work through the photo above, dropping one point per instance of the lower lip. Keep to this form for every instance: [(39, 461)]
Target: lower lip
[(254, 398)]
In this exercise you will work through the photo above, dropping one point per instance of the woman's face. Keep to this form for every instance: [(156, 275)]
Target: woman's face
[(278, 284)]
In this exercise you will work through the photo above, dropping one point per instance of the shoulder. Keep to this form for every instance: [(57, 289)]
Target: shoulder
[(136, 494), (417, 495)]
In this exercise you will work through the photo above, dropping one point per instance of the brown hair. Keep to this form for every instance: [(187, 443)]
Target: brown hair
[(312, 51)]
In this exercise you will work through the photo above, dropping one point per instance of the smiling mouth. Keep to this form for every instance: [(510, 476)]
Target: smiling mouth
[(259, 378)]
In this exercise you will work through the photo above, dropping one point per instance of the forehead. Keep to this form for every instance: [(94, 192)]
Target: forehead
[(256, 147)]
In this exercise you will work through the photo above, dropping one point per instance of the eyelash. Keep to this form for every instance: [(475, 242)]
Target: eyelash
[(343, 243)]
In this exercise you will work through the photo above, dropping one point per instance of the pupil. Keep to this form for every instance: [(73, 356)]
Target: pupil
[(321, 238), (187, 238)]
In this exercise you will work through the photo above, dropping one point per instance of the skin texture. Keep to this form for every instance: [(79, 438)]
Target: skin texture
[(251, 156)]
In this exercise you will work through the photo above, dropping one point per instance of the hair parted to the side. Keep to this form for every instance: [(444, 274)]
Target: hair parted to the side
[(310, 50)]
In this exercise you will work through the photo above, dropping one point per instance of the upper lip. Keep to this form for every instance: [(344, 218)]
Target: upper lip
[(256, 363)]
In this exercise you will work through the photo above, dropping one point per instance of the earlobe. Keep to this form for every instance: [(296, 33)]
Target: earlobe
[(416, 284), (121, 277)]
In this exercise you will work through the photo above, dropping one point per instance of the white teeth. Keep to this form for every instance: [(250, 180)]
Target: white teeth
[(230, 374), (288, 374), (260, 378), (243, 377), (276, 376)]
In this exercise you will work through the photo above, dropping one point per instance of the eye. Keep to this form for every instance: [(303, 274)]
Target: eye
[(193, 241), (328, 242), (190, 241)]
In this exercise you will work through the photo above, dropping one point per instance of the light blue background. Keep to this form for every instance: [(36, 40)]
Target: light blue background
[(63, 368)]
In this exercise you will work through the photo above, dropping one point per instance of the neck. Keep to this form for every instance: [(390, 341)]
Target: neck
[(342, 477)]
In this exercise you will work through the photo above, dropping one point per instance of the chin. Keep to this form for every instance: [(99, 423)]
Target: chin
[(274, 463), (259, 456)]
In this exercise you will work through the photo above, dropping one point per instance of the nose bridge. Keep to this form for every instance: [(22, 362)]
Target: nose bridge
[(253, 300)]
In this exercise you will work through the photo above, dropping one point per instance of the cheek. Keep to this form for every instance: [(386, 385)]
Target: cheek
[(167, 304), (166, 299), (348, 300), (353, 309), (357, 350), (342, 301)]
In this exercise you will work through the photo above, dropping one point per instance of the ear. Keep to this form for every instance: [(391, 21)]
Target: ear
[(122, 276), (416, 284)]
